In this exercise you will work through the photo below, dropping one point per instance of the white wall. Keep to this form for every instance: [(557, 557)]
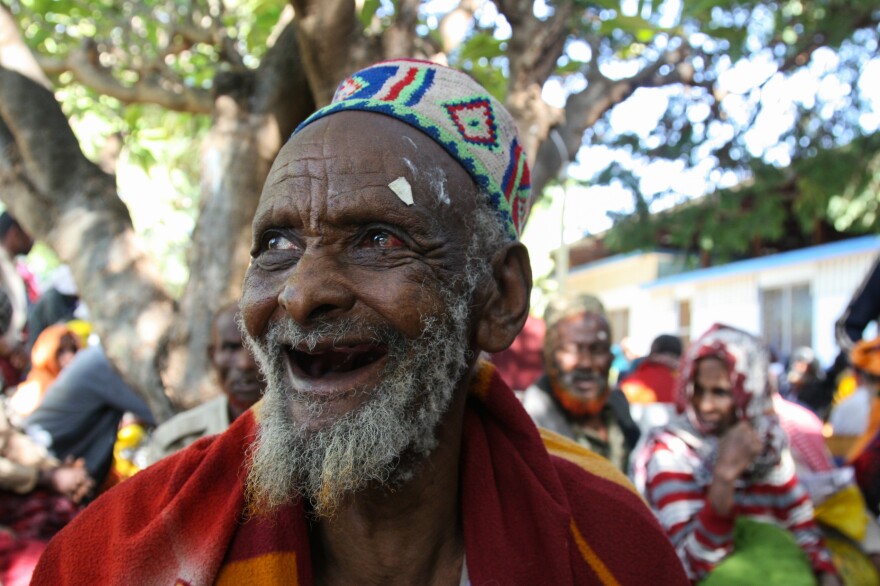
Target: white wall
[(835, 282), (734, 300)]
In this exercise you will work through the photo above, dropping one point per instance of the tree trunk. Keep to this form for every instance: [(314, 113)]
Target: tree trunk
[(68, 202), (63, 199), (254, 112)]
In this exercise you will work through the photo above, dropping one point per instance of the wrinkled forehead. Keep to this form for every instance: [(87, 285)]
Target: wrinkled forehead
[(352, 151), (582, 327)]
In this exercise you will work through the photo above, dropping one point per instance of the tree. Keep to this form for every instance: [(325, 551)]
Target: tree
[(819, 199), (258, 67), (814, 183)]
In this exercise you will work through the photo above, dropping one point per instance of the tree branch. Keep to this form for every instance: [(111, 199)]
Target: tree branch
[(331, 44), (86, 69), (583, 109), (68, 202), (14, 54), (533, 50)]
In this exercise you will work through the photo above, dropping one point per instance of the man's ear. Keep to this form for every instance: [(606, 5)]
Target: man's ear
[(505, 304)]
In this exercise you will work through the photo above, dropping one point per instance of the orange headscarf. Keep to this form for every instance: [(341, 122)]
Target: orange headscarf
[(865, 356), (44, 369)]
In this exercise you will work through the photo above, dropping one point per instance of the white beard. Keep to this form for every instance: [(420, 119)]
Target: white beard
[(380, 443)]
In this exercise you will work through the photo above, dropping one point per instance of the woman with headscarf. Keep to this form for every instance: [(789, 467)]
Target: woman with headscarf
[(721, 478), (53, 350)]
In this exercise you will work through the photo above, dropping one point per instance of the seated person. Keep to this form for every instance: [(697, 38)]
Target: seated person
[(239, 379), (56, 305), (807, 383), (722, 465), (81, 411), (852, 416), (54, 349), (38, 496), (655, 379), (573, 398)]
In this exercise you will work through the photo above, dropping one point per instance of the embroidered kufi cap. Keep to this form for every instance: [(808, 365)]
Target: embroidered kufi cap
[(458, 114)]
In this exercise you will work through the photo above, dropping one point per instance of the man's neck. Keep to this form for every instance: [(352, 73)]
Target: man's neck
[(593, 421), (407, 535)]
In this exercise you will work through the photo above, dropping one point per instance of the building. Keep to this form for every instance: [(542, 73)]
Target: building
[(791, 299)]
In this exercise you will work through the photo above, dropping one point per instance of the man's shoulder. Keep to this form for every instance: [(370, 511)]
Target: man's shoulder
[(586, 462), (181, 430), (183, 468), (609, 518), (201, 419), (186, 502)]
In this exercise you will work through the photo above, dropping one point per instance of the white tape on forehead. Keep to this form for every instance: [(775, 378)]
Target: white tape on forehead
[(400, 186)]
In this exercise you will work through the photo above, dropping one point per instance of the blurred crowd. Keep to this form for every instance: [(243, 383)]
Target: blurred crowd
[(70, 426), (760, 467)]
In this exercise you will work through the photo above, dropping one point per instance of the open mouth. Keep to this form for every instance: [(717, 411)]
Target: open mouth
[(336, 359)]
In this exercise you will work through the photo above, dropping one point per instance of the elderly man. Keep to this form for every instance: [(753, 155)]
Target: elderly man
[(238, 378), (384, 262), (573, 398)]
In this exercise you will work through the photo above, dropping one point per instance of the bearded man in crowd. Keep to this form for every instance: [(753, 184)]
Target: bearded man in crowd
[(385, 261), (240, 384), (574, 397)]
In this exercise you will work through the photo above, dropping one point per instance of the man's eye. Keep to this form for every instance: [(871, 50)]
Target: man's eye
[(381, 239), (276, 251), (278, 242)]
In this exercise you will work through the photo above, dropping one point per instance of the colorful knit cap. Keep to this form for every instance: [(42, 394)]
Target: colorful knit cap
[(866, 356), (455, 111)]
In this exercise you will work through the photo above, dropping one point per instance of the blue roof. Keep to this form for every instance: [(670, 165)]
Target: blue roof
[(801, 255)]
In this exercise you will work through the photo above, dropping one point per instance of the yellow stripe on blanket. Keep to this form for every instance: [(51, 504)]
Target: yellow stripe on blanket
[(593, 560), (593, 463), (482, 379), (270, 568)]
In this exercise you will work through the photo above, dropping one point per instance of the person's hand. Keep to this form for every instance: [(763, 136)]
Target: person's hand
[(736, 451), (71, 480), (826, 579)]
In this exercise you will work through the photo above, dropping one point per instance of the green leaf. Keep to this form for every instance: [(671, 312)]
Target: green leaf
[(368, 12)]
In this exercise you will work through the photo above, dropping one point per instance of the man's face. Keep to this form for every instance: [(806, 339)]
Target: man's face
[(580, 361), (236, 368), (712, 399), (355, 305)]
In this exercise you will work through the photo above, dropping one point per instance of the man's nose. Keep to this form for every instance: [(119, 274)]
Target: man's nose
[(584, 359), (317, 288)]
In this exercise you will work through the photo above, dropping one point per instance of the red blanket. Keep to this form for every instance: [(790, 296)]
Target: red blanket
[(536, 509)]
